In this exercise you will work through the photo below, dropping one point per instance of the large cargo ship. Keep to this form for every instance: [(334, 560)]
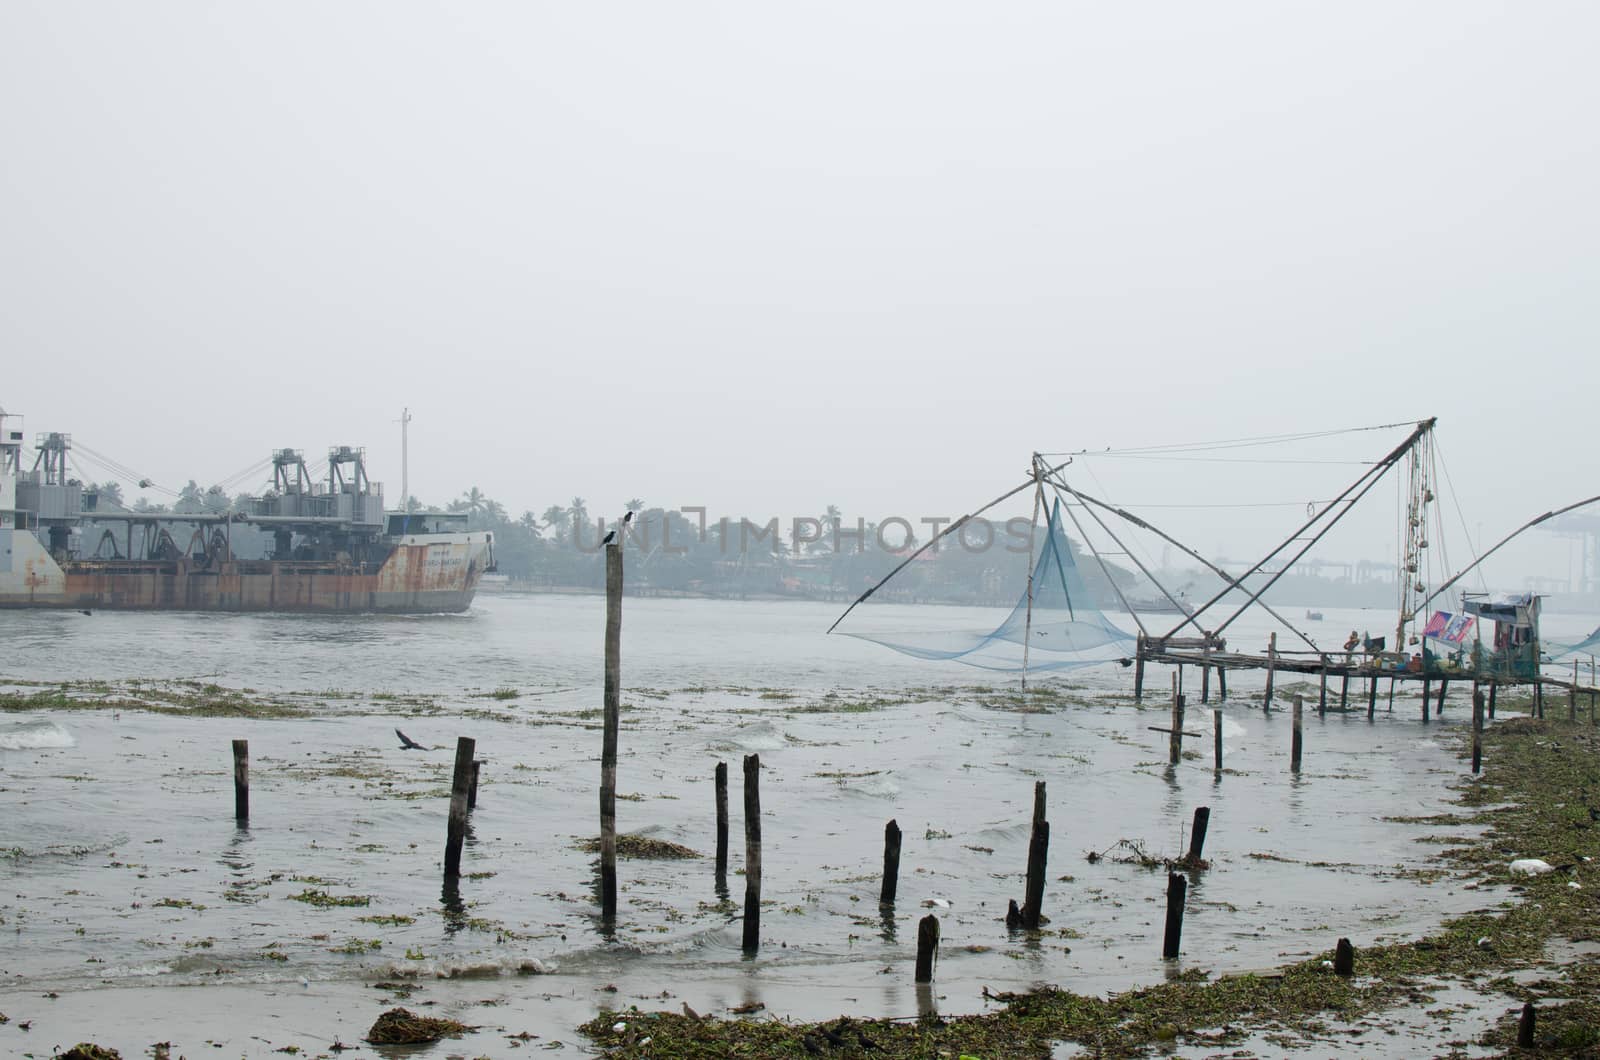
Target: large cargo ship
[(318, 546)]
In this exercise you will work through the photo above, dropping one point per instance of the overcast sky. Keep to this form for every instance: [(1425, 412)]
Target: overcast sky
[(766, 258)]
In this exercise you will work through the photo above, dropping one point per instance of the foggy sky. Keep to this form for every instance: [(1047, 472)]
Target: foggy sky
[(767, 258)]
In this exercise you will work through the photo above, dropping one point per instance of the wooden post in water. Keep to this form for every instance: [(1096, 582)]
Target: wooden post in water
[(1295, 742), (1538, 695), (456, 828), (613, 723), (1222, 682), (1372, 697), (1444, 688), (1138, 669), (1197, 834), (1344, 691), (1391, 695), (891, 863), (1272, 661), (1494, 686), (472, 786), (1175, 739), (1344, 958), (241, 781), (1525, 1027), (1038, 853), (1322, 692), (927, 947), (1216, 737), (1477, 729), (1177, 890), (752, 853), (1572, 694), (1427, 688), (721, 782), (1205, 681)]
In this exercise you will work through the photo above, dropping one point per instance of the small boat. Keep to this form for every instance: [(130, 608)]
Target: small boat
[(1313, 616)]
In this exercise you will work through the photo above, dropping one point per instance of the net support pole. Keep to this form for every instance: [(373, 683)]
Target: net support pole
[(1033, 524)]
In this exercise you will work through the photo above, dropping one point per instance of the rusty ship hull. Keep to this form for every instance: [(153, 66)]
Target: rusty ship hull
[(422, 574)]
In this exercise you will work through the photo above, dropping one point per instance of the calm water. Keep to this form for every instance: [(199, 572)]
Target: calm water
[(129, 889)]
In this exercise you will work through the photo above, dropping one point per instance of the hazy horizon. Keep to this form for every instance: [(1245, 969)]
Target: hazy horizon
[(767, 260)]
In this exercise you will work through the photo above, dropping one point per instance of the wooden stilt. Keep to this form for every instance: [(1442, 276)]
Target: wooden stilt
[(1426, 689), (1216, 728), (1222, 683), (1177, 890), (891, 863), (1272, 661), (1322, 690)]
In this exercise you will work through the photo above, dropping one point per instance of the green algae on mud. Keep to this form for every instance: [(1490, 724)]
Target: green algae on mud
[(1533, 800)]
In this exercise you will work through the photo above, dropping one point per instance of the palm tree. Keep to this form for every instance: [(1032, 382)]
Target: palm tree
[(557, 519), (635, 505), (529, 522)]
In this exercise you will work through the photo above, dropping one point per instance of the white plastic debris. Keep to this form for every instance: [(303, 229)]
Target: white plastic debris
[(1484, 942), (1574, 885), (1532, 866), (618, 1027)]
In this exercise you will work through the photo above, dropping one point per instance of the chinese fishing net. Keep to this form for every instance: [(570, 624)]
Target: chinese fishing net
[(1067, 628), (1557, 651)]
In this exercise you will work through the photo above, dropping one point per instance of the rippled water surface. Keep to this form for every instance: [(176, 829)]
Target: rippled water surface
[(130, 892)]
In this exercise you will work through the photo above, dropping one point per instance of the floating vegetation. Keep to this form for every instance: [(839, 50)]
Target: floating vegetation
[(89, 1051), (400, 1026), (388, 920), (638, 846), (324, 900), (357, 946)]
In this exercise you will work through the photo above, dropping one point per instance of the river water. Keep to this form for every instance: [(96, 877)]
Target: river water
[(132, 897)]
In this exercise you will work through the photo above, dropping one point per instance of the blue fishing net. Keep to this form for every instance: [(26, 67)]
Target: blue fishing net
[(1067, 629), (1556, 650)]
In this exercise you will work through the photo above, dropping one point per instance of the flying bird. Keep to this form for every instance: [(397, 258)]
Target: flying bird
[(407, 743)]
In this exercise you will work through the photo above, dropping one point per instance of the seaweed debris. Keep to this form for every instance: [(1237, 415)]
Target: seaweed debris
[(638, 846), (401, 1026)]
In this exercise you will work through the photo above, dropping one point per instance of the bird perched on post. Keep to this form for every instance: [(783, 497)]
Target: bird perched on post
[(611, 535)]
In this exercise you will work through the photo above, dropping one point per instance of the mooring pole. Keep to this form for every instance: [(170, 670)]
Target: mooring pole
[(1175, 740), (927, 947), (1322, 695), (1197, 835), (613, 723), (1477, 729), (1216, 736), (720, 780), (1494, 686), (1372, 697), (752, 853), (1295, 742), (241, 781), (1138, 669), (891, 863), (1177, 890), (1426, 688), (1038, 853), (456, 826)]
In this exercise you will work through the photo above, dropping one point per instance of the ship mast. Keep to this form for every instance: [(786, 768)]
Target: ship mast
[(405, 481)]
